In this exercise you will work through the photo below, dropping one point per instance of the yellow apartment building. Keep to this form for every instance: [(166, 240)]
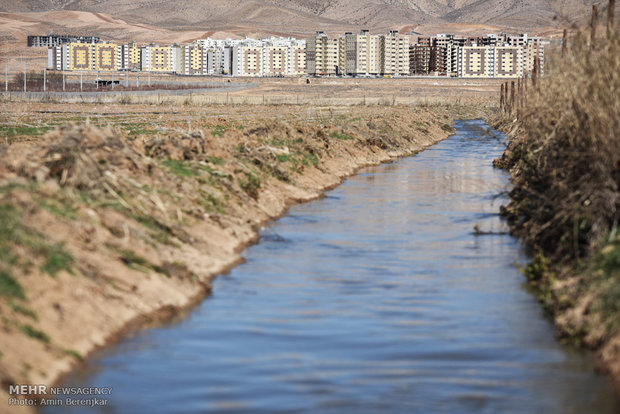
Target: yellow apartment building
[(130, 56), (80, 56), (193, 62), (106, 57), (508, 62), (323, 55)]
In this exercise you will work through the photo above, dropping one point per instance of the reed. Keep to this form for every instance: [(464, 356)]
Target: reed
[(564, 159), (566, 156)]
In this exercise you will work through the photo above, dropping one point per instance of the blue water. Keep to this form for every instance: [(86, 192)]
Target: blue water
[(378, 298)]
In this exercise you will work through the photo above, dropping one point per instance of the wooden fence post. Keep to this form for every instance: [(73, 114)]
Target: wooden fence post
[(501, 98), (512, 95), (610, 18), (564, 40), (593, 26), (535, 71)]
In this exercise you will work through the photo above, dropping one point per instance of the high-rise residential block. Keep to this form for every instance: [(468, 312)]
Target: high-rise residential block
[(130, 56), (194, 60), (395, 54), (362, 53), (323, 55), (106, 57), (80, 56)]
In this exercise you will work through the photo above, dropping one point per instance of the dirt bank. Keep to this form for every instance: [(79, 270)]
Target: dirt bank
[(105, 229)]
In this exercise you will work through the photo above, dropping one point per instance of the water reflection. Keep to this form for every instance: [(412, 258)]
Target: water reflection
[(377, 299)]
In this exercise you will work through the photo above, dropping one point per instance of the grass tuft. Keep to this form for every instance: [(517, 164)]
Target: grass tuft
[(57, 260), (251, 184), (180, 168), (9, 287), (341, 136), (34, 333)]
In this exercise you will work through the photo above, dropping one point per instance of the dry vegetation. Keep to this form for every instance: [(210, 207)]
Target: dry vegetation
[(279, 91), (564, 157)]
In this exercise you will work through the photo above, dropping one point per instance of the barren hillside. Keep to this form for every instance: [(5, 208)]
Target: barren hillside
[(182, 21), (305, 16)]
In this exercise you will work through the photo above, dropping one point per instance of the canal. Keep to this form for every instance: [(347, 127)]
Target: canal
[(378, 298)]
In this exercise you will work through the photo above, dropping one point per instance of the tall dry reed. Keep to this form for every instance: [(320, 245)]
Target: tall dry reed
[(565, 157)]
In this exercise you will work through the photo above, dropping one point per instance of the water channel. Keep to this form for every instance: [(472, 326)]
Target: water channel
[(378, 298)]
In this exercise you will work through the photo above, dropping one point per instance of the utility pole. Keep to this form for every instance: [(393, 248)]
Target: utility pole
[(149, 76), (6, 77), (81, 77), (44, 80), (63, 79), (24, 76)]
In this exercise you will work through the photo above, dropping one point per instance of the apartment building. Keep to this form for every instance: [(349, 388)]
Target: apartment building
[(323, 55), (422, 59), (277, 62), (219, 55), (530, 52), (490, 62), (129, 56), (445, 54), (155, 58), (298, 59), (80, 56), (194, 60), (58, 57), (247, 60), (106, 57), (508, 61), (474, 62), (395, 54), (361, 53), (54, 40)]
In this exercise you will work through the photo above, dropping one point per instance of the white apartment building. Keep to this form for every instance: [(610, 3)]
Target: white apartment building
[(269, 57)]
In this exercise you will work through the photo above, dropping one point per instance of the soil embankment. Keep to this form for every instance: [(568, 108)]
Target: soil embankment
[(564, 158), (105, 229)]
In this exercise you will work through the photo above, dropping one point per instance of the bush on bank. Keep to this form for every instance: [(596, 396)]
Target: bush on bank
[(564, 158)]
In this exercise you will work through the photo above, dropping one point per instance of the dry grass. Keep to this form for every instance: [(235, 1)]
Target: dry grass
[(288, 91), (565, 158), (223, 99)]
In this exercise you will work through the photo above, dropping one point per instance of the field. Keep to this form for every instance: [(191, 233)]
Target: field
[(278, 91)]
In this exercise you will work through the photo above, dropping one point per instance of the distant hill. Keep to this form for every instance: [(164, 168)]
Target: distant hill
[(304, 16)]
